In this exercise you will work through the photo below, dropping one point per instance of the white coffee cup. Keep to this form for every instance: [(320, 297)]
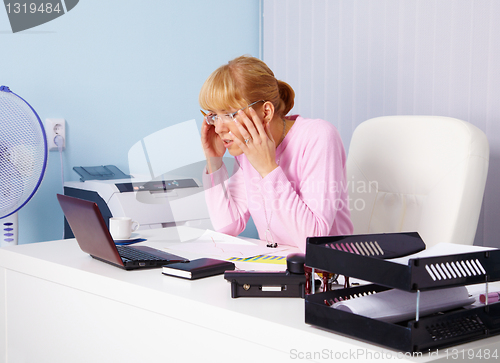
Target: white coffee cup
[(122, 227)]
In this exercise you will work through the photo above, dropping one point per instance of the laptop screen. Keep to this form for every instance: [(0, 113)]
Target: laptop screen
[(89, 228)]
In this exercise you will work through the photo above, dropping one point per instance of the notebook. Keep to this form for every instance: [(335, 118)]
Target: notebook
[(196, 269), (93, 237)]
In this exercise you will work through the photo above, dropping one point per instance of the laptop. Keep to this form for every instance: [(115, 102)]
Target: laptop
[(93, 237)]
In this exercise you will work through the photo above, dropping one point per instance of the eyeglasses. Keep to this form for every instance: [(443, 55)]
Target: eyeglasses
[(211, 119)]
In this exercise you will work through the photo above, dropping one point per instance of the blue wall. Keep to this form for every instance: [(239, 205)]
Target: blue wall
[(117, 71)]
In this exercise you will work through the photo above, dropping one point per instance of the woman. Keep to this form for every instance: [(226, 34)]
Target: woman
[(289, 172)]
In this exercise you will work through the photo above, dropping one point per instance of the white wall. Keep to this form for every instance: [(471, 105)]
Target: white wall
[(351, 60), (117, 71)]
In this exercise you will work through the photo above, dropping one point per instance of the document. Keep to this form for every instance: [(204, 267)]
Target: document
[(223, 246), (441, 249), (394, 305)]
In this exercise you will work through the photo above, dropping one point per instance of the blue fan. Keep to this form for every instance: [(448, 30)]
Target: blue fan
[(23, 160)]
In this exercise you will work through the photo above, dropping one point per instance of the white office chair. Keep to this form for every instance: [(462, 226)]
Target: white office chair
[(417, 173)]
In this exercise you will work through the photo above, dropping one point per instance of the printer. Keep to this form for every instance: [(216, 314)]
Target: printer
[(159, 203)]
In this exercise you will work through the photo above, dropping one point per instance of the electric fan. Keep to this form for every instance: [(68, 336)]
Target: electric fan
[(23, 159)]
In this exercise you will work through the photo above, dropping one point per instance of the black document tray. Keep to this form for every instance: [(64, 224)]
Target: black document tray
[(411, 277), (430, 332)]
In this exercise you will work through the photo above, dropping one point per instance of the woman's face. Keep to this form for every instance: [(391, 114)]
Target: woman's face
[(227, 130)]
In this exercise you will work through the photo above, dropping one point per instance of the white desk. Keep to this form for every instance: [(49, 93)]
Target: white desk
[(57, 304)]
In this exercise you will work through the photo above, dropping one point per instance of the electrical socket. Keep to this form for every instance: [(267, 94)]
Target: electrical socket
[(53, 128)]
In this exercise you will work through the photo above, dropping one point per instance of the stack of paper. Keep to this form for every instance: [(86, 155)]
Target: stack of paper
[(396, 305), (441, 249)]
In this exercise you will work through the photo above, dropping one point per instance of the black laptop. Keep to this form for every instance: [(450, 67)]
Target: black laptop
[(91, 233)]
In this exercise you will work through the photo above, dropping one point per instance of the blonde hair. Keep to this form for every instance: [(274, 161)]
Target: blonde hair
[(242, 81)]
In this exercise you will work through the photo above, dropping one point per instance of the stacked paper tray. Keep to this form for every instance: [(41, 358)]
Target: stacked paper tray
[(419, 274), (428, 333)]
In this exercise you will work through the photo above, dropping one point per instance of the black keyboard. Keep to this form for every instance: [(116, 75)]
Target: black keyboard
[(131, 254)]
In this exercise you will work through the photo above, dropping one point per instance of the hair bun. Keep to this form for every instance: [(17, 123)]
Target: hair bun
[(287, 95)]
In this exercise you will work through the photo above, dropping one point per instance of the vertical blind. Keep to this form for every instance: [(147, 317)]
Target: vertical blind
[(352, 60)]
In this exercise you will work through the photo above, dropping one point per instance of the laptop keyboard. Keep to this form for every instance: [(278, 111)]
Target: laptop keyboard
[(135, 255)]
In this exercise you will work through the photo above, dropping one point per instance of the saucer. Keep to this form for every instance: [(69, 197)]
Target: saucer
[(134, 237)]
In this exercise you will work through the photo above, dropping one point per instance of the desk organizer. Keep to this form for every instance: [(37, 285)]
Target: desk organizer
[(428, 333)]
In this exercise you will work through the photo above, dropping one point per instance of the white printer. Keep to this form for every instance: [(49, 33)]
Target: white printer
[(153, 204)]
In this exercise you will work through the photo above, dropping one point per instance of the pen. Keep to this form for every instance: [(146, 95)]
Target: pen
[(492, 297), (203, 113)]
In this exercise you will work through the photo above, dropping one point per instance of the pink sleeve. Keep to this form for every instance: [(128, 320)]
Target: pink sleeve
[(226, 200)]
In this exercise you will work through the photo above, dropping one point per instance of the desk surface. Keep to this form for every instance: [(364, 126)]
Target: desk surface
[(276, 324)]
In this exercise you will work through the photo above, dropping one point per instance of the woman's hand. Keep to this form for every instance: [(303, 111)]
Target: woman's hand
[(260, 149), (213, 147)]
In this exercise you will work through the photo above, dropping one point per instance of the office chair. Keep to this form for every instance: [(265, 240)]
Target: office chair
[(417, 173)]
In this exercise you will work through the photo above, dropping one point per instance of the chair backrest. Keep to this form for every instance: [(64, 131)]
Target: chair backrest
[(418, 173)]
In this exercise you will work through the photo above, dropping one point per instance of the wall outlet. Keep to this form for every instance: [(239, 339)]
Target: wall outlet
[(55, 127)]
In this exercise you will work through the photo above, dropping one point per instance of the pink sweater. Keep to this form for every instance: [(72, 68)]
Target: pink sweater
[(306, 195)]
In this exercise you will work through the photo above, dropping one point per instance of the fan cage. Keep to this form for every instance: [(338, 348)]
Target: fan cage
[(22, 165)]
